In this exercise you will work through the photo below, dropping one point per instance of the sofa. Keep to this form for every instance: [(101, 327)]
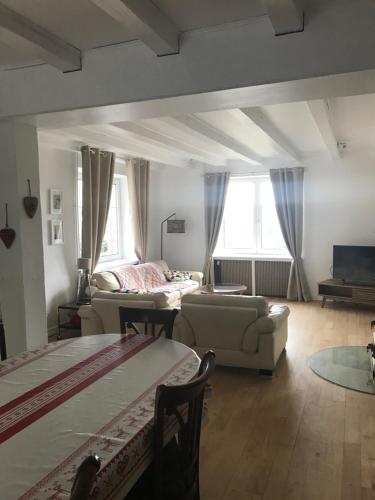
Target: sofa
[(143, 285), (242, 330)]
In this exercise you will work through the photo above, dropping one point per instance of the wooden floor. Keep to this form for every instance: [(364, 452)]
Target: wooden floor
[(295, 437)]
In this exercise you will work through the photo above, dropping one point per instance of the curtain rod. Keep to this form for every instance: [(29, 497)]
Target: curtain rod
[(249, 174)]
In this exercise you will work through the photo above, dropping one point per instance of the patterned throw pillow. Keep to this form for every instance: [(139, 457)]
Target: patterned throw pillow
[(177, 275)]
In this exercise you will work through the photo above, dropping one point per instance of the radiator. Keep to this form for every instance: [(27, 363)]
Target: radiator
[(268, 278), (234, 271)]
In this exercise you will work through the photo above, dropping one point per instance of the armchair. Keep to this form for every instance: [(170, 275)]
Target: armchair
[(242, 330)]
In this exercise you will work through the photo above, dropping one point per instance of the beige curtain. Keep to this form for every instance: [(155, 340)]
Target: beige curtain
[(287, 186), (215, 191), (97, 177), (138, 175)]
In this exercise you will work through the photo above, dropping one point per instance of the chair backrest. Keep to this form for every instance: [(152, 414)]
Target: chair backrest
[(3, 349), (185, 402), (85, 477), (156, 321)]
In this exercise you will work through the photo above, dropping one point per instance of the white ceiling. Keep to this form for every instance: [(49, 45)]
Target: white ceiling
[(278, 134), (83, 25)]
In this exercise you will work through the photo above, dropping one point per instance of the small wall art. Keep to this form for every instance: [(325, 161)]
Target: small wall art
[(56, 232), (56, 201)]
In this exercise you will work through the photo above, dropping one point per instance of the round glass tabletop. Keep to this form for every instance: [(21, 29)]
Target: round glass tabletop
[(224, 288), (350, 367)]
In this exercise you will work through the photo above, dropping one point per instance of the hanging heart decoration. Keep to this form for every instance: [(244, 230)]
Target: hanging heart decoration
[(30, 203), (7, 235)]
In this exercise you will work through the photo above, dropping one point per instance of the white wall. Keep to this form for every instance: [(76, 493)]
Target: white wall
[(58, 170), (22, 294), (179, 190), (339, 209)]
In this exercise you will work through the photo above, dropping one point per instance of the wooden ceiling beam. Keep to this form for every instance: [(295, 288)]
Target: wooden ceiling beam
[(19, 32), (286, 16), (143, 19), (109, 137), (257, 116), (321, 114), (170, 143), (205, 129)]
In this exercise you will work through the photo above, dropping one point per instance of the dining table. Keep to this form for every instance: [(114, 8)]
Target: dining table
[(73, 398)]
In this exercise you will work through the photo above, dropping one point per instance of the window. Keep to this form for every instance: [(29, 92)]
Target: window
[(118, 241), (250, 225)]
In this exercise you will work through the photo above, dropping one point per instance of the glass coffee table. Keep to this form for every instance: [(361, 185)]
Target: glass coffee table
[(348, 366), (224, 289)]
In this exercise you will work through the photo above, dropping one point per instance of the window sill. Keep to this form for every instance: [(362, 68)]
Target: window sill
[(109, 264), (261, 257)]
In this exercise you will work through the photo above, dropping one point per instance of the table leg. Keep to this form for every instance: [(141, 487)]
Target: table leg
[(324, 301), (59, 337), (3, 349)]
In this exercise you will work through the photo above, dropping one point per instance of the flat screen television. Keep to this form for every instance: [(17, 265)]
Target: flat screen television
[(354, 265)]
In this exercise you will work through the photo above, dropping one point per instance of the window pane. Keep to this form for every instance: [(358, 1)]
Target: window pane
[(271, 237), (239, 220), (110, 244)]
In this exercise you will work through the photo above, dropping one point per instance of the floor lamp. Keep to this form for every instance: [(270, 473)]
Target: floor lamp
[(173, 226)]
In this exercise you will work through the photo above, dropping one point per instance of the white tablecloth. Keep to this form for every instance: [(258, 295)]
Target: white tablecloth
[(72, 398)]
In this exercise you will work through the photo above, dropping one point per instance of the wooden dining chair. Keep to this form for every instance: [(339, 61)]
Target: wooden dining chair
[(150, 318), (85, 478), (3, 349), (185, 402)]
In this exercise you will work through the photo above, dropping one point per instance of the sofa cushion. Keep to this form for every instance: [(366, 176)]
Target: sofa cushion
[(171, 287), (216, 326), (159, 299), (106, 280)]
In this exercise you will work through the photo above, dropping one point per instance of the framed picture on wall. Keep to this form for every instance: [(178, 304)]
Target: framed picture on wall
[(56, 201), (56, 231)]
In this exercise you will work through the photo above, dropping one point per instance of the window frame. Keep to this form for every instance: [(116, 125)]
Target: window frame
[(116, 189), (257, 251), (120, 180)]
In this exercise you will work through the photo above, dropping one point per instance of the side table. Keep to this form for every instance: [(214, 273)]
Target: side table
[(223, 289), (65, 320)]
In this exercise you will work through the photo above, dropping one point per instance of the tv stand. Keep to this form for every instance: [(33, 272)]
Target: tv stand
[(337, 290)]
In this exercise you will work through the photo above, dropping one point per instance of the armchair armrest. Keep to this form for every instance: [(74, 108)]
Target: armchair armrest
[(197, 276), (91, 323), (264, 326), (182, 331)]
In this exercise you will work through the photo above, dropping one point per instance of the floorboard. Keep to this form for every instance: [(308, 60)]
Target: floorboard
[(294, 436)]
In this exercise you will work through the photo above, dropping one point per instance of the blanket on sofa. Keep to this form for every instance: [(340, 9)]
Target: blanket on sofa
[(146, 276)]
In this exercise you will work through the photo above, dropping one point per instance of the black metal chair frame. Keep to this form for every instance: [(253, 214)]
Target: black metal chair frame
[(169, 401), (3, 349), (130, 316)]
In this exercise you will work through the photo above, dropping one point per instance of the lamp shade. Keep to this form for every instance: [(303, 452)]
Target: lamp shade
[(175, 226), (84, 263)]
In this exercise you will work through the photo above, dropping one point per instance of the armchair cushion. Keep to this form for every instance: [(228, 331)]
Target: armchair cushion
[(218, 326), (258, 303)]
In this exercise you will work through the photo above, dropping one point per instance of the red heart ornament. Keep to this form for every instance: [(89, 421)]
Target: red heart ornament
[(7, 235)]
